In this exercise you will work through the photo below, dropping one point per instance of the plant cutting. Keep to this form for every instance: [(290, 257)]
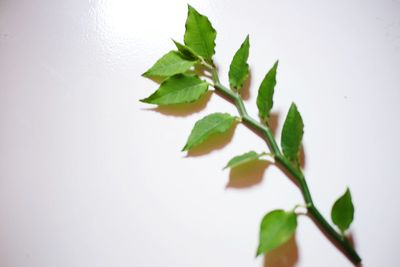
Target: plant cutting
[(182, 82)]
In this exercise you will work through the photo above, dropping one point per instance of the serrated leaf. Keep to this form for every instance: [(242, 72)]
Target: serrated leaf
[(292, 133), (266, 93), (178, 89), (276, 228), (209, 125), (186, 51), (170, 64), (200, 35), (242, 159), (239, 69), (342, 212)]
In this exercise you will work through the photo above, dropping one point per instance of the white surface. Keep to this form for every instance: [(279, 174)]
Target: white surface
[(91, 177)]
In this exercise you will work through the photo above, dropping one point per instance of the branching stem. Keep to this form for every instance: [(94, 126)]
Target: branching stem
[(340, 241)]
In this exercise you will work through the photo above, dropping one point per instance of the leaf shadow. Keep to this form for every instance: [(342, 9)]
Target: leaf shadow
[(248, 174), (184, 110), (302, 157), (273, 122), (156, 79), (245, 91), (214, 142), (286, 255), (201, 72), (350, 237)]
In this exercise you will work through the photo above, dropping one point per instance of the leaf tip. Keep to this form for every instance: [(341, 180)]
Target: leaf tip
[(276, 64), (259, 251), (190, 8)]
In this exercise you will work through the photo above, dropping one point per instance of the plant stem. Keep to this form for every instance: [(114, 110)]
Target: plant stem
[(341, 242)]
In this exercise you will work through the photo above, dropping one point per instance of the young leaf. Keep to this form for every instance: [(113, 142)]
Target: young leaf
[(178, 89), (277, 227), (186, 51), (242, 159), (266, 93), (170, 64), (199, 34), (239, 69), (343, 211), (292, 133), (207, 126)]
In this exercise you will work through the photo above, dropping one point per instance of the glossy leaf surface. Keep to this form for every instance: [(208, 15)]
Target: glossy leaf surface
[(292, 133), (242, 159), (212, 124), (170, 64), (276, 228), (200, 35), (239, 69), (342, 212), (178, 89), (186, 51), (266, 93)]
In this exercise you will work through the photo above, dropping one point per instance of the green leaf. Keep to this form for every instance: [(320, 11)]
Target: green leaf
[(242, 159), (239, 69), (343, 211), (292, 133), (187, 51), (200, 35), (277, 227), (207, 126), (266, 93), (170, 64), (178, 89)]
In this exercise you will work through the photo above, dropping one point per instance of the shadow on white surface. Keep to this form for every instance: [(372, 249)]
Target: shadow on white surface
[(286, 255), (273, 122), (302, 157), (350, 237), (245, 91)]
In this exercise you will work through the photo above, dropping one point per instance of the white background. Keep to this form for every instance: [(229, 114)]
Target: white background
[(89, 176)]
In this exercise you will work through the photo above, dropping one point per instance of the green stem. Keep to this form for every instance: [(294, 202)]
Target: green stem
[(342, 243)]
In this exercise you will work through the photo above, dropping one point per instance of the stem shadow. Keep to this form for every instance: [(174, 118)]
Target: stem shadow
[(247, 175), (286, 255), (201, 72), (352, 241), (350, 238), (288, 174)]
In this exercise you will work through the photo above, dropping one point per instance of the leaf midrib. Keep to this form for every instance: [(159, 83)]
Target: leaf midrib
[(183, 62), (215, 126), (203, 43), (178, 90)]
